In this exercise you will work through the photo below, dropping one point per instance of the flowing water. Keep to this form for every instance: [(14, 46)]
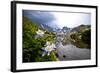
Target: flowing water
[(71, 52)]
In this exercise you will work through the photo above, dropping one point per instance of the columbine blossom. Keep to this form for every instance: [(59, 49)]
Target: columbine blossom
[(40, 32), (47, 43), (48, 49)]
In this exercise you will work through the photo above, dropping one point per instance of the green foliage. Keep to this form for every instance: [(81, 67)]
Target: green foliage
[(82, 39), (86, 37), (32, 46)]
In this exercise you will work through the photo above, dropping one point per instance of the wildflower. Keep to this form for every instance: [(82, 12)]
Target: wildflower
[(47, 43), (48, 49), (40, 32)]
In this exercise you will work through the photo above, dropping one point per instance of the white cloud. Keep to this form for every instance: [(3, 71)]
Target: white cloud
[(72, 19)]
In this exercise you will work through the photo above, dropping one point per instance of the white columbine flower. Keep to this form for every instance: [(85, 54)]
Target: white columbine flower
[(40, 32), (47, 43), (48, 49)]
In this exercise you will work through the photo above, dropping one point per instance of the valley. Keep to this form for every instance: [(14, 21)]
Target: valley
[(42, 42)]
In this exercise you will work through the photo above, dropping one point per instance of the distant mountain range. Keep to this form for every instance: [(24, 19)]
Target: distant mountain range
[(80, 28), (52, 27), (64, 29), (48, 28)]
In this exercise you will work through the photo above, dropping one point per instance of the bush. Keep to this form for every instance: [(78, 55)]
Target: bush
[(32, 46), (86, 37), (82, 42)]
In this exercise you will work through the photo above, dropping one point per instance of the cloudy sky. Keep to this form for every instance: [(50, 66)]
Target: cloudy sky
[(59, 19)]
